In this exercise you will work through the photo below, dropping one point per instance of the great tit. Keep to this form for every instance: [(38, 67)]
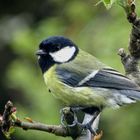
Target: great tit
[(78, 79)]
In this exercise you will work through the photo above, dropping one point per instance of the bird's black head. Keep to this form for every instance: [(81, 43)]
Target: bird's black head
[(55, 50)]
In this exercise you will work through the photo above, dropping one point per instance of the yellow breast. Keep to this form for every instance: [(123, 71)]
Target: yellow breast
[(57, 88), (70, 95)]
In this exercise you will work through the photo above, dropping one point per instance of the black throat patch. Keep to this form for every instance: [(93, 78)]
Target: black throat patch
[(45, 62)]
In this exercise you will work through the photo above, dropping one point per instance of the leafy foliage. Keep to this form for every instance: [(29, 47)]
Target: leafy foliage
[(108, 3), (124, 3)]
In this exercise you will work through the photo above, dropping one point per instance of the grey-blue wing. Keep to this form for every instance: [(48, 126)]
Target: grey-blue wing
[(69, 77), (105, 78), (109, 78)]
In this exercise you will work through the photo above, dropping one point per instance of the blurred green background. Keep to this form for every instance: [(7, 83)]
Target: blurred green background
[(101, 32)]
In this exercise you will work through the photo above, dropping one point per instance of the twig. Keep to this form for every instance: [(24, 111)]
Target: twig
[(6, 122), (75, 131), (54, 129), (131, 61)]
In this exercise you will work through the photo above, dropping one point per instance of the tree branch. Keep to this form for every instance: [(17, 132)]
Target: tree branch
[(54, 129), (7, 121), (131, 61), (76, 131)]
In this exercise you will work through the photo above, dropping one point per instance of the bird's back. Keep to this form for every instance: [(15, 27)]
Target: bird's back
[(84, 63)]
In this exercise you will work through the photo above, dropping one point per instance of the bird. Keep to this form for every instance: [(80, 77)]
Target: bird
[(80, 80)]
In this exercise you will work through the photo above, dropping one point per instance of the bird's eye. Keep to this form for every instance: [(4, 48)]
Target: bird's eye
[(57, 47)]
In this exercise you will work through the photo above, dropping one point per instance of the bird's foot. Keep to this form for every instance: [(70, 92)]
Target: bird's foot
[(88, 125), (75, 122), (68, 113)]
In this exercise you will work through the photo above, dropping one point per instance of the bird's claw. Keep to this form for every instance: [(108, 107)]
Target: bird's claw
[(63, 122), (87, 126)]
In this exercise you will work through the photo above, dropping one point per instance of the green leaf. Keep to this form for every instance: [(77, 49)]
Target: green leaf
[(126, 4), (107, 3)]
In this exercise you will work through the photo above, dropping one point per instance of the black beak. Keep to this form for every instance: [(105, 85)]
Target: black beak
[(40, 52)]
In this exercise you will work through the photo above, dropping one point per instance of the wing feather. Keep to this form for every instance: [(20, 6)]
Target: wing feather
[(105, 78), (108, 78)]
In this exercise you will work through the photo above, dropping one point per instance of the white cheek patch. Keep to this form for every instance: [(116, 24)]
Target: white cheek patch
[(63, 55)]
